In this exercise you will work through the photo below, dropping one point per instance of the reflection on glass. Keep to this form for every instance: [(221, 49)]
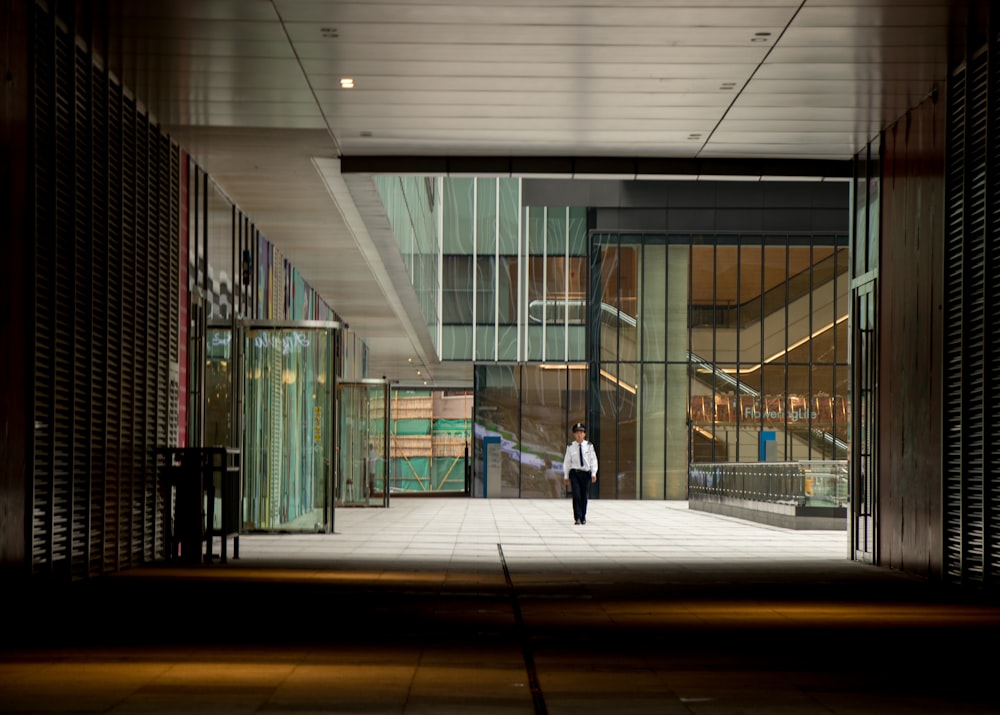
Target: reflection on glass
[(361, 453), (529, 408), (287, 433)]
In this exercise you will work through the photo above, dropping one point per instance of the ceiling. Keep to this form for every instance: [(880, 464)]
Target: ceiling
[(576, 88)]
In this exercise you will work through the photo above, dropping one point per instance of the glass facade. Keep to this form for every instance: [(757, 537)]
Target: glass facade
[(676, 349), (718, 348), (513, 285), (412, 207)]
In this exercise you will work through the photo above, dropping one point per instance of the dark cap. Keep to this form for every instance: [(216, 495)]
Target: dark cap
[(579, 427)]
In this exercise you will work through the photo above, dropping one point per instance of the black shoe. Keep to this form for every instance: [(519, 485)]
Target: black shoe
[(583, 521), (577, 522)]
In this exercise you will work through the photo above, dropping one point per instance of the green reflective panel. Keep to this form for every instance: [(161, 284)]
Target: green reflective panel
[(456, 342), (507, 343), (288, 429), (458, 215), (556, 230), (577, 231), (485, 342), (361, 455), (486, 216), (510, 215)]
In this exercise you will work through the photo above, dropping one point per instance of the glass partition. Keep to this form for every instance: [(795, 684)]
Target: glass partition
[(363, 445), (288, 435)]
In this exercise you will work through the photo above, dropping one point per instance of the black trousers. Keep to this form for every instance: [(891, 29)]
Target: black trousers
[(579, 482)]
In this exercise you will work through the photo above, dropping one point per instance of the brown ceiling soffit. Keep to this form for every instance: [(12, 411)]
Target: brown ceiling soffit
[(593, 167)]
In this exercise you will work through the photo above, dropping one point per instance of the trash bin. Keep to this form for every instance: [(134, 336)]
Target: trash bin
[(193, 477)]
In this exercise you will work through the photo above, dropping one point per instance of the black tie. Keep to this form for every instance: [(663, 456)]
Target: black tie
[(583, 465)]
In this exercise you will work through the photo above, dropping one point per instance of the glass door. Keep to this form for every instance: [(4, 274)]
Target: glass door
[(362, 466), (288, 426)]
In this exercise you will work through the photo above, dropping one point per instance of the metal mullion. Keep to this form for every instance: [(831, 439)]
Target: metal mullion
[(565, 290), (739, 344), (496, 278), (475, 263), (784, 347), (545, 281)]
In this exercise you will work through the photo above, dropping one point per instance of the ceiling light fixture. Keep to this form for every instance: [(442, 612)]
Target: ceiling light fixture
[(346, 83)]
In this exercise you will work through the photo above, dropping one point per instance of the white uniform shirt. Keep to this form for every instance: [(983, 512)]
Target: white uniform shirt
[(572, 458)]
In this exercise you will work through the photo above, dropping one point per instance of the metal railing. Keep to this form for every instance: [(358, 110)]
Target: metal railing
[(802, 483)]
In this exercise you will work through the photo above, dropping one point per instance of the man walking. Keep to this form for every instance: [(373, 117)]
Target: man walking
[(580, 471)]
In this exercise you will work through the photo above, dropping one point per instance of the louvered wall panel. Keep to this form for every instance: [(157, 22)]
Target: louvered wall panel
[(115, 391), (971, 490), (974, 300), (81, 317), (63, 305), (98, 348), (991, 495), (128, 512), (106, 274), (44, 271), (953, 327)]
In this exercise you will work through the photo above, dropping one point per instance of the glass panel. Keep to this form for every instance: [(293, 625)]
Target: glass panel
[(543, 437), (627, 302), (506, 287), (456, 342), (608, 319), (486, 292), (412, 441), (458, 219), (652, 421), (576, 348), (486, 338), (507, 343), (771, 408), (652, 306), (288, 429), (220, 255), (578, 231), (555, 231), (535, 340), (456, 290), (510, 215), (497, 420), (751, 304), (798, 413), (701, 301), (608, 454), (219, 389), (361, 473), (486, 216)]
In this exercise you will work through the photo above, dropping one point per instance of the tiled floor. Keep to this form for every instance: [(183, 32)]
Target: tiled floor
[(471, 606)]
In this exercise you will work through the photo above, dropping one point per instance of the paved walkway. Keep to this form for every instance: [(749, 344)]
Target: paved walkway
[(503, 606)]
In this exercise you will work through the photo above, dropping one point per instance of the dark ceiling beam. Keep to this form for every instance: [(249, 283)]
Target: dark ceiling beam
[(569, 167)]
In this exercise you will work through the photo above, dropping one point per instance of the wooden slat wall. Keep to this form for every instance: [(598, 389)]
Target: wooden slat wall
[(910, 407)]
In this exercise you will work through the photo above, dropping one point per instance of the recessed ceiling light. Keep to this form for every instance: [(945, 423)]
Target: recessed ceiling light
[(346, 83)]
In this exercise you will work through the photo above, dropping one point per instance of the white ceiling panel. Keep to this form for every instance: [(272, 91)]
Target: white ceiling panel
[(252, 88)]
